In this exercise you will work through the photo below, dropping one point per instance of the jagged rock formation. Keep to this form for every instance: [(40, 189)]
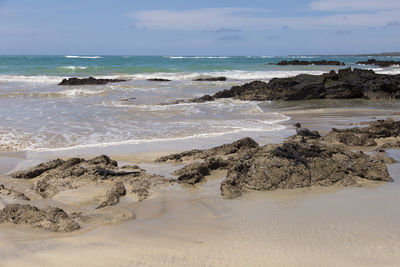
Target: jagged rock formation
[(223, 150), (307, 63), (344, 84), (210, 79), (295, 163), (57, 175), (88, 81), (48, 218), (380, 63), (158, 80), (365, 136)]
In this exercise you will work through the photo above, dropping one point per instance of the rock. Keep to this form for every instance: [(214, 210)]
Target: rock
[(158, 80), (194, 173), (364, 136), (48, 218), (344, 84), (128, 99), (58, 175), (296, 164), (12, 193), (211, 79), (240, 145), (306, 63), (380, 63), (88, 81), (112, 197)]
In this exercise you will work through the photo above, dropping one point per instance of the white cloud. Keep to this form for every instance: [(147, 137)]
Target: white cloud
[(355, 5), (201, 19), (255, 19)]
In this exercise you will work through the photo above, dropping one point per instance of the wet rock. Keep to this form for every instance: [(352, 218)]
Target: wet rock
[(380, 63), (195, 172), (12, 193), (48, 218), (112, 197), (365, 136), (227, 149), (158, 80), (88, 81), (307, 63), (61, 175), (211, 79), (295, 164), (344, 84)]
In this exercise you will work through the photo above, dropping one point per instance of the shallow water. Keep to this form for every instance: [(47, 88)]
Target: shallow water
[(37, 114)]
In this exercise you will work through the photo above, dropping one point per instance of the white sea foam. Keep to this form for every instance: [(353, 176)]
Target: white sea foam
[(42, 79), (197, 57), (73, 67), (92, 57), (80, 92)]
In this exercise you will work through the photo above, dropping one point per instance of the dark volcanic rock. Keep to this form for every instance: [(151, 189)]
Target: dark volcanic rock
[(296, 164), (88, 81), (306, 62), (158, 80), (223, 150), (194, 173), (211, 79), (380, 63), (364, 136), (346, 83), (48, 218), (118, 190), (58, 175)]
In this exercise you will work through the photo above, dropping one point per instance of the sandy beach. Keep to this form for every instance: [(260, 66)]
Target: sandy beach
[(180, 226)]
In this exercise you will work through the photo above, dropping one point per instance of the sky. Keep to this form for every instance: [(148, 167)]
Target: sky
[(206, 27)]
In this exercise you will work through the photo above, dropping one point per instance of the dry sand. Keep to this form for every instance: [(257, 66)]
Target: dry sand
[(357, 226)]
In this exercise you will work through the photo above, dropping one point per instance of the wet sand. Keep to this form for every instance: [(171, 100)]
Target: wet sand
[(357, 226)]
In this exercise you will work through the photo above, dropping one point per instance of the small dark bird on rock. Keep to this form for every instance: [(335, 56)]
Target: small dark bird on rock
[(305, 132)]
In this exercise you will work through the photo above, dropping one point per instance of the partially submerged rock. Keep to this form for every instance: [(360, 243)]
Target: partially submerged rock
[(380, 63), (210, 79), (344, 84), (48, 218), (58, 175), (89, 81), (118, 190), (307, 63), (12, 193), (158, 80)]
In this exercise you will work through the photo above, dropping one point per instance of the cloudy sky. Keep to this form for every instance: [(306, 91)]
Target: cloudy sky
[(206, 27)]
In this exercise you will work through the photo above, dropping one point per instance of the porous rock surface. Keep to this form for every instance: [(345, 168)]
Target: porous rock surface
[(294, 163), (58, 175), (48, 218)]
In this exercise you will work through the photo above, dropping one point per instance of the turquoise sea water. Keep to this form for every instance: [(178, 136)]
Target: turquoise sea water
[(36, 113), (128, 65)]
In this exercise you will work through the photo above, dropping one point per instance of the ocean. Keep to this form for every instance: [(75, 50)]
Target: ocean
[(38, 114)]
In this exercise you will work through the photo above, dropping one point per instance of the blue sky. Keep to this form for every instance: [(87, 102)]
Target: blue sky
[(177, 27)]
